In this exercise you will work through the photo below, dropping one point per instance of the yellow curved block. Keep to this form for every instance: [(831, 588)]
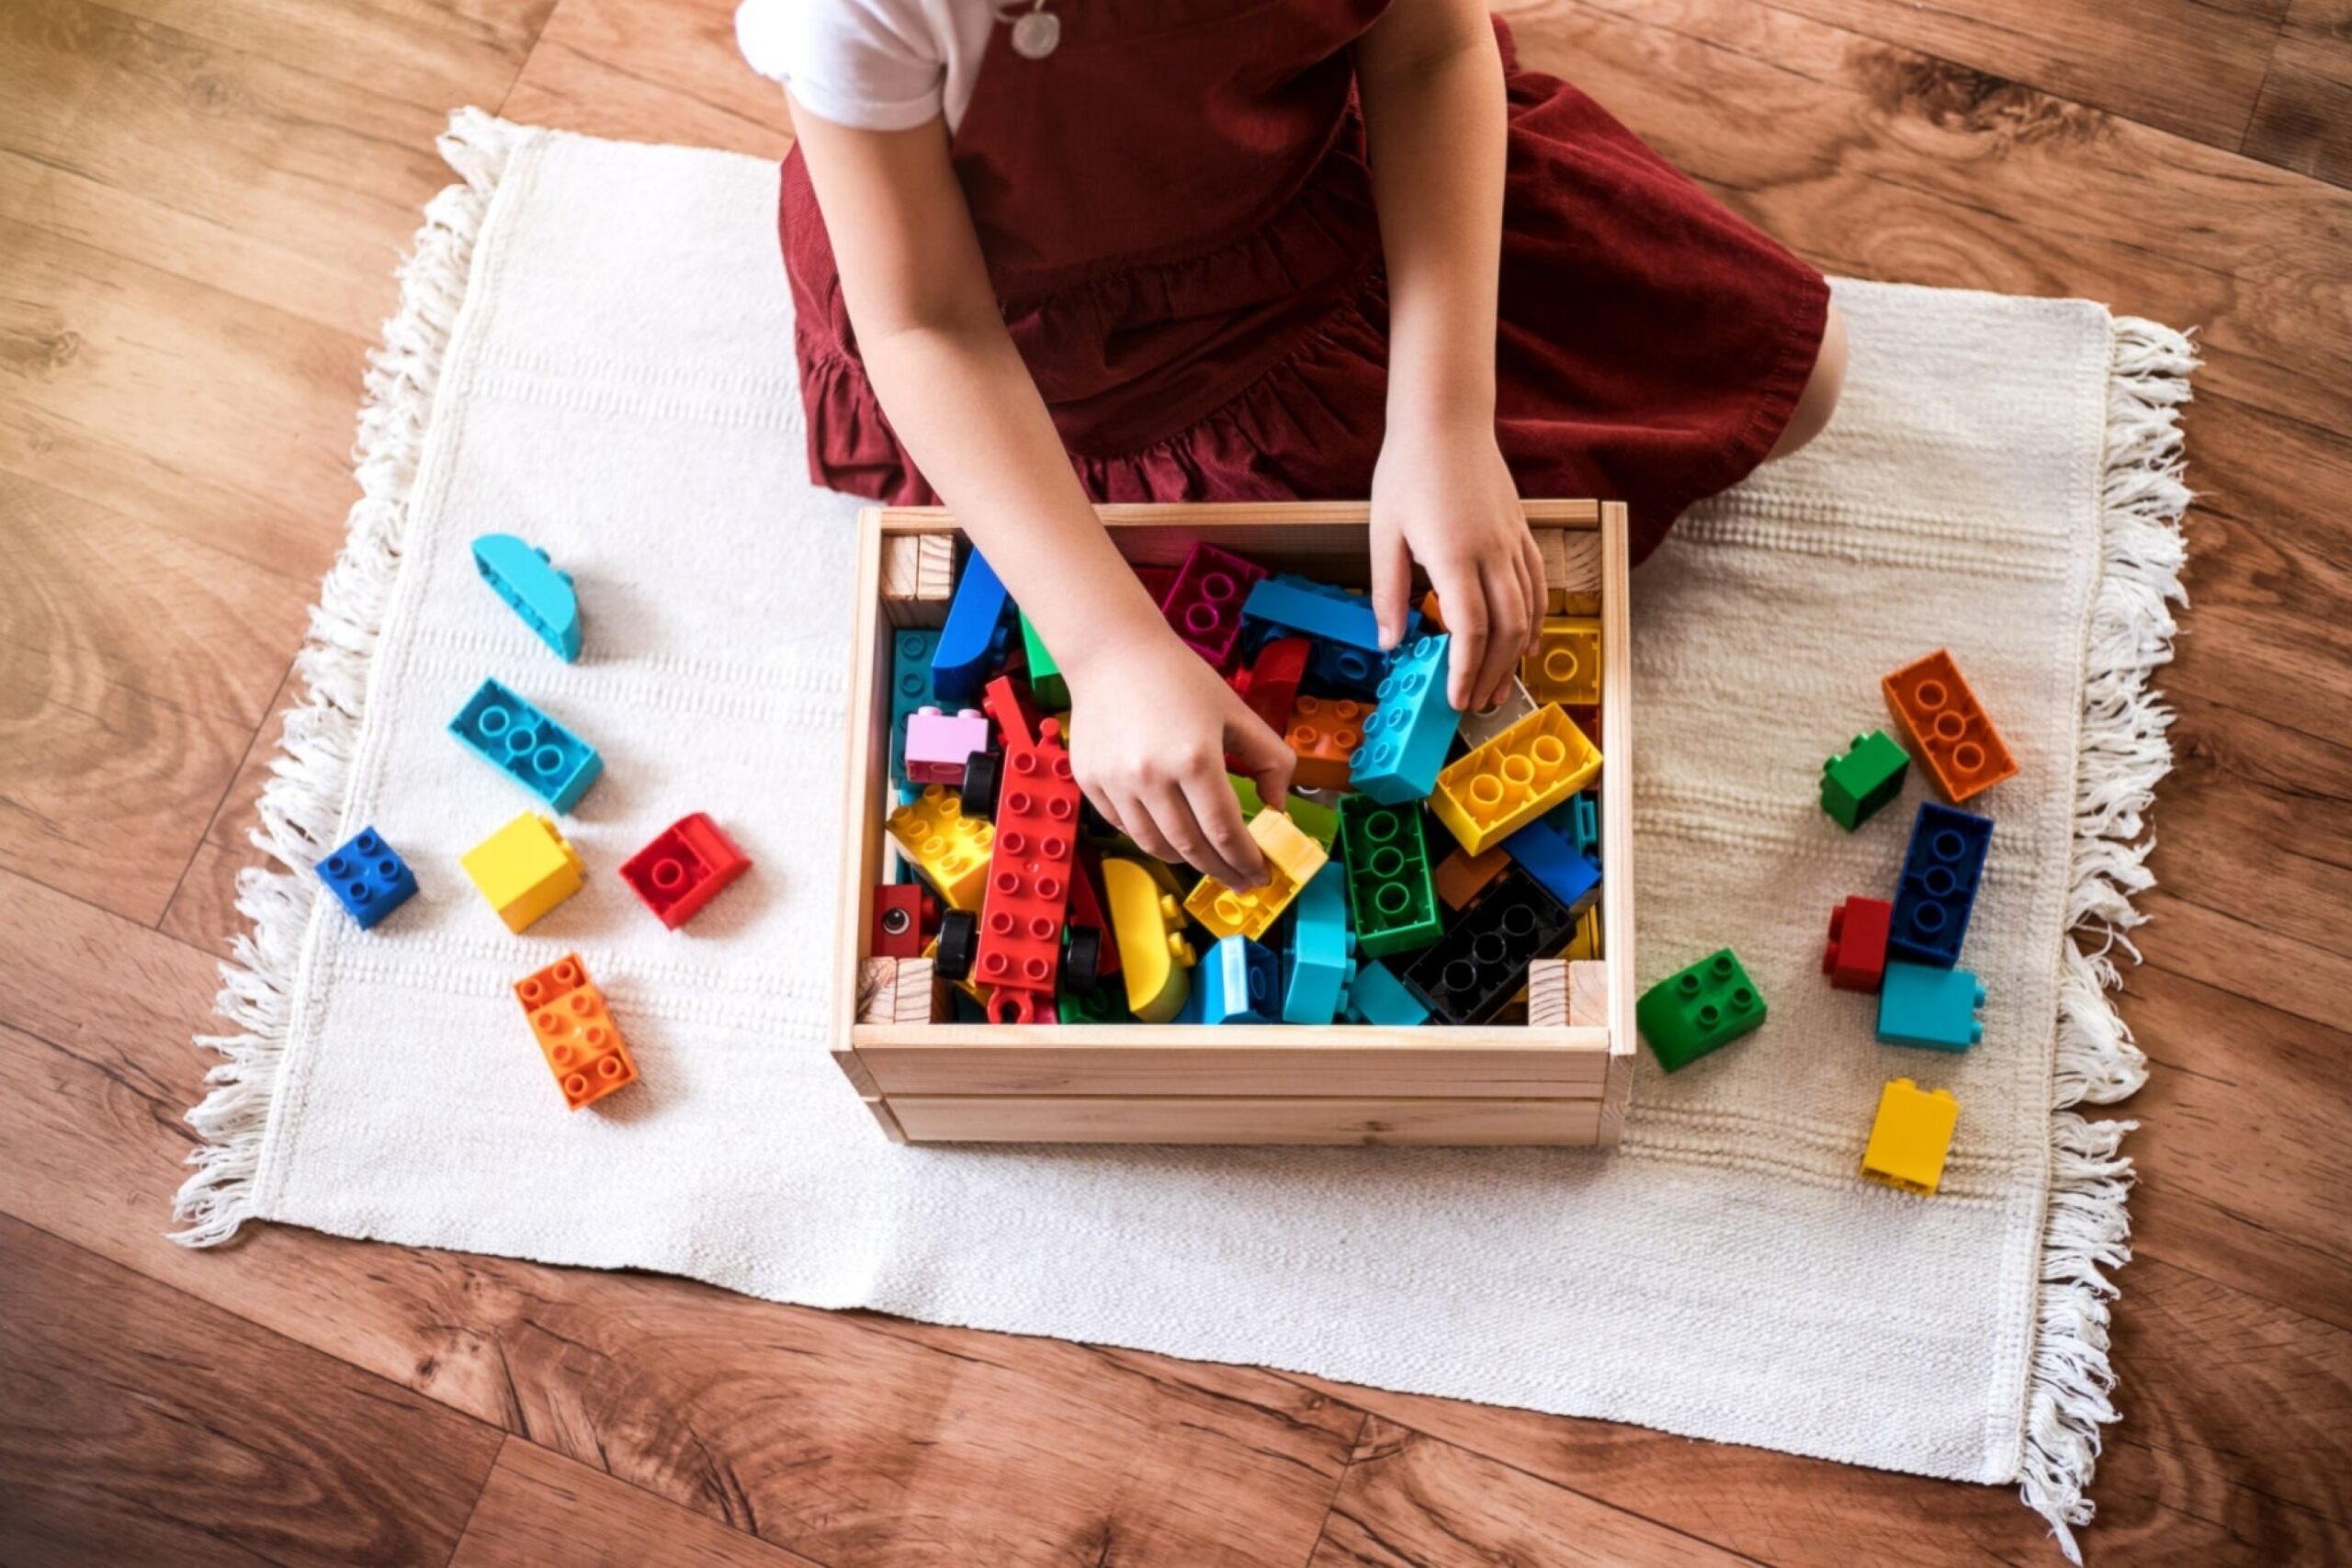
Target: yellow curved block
[(1500, 787), (948, 848), (1153, 953)]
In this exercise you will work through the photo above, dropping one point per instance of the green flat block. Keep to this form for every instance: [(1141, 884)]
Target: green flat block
[(1046, 682), (1854, 786), (1699, 1010), (1319, 823)]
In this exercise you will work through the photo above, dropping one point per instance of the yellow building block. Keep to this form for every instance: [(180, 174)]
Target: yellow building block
[(948, 848), (1565, 665), (524, 868), (1500, 787), (1911, 1136), (1292, 859), (1153, 953), (1586, 944)]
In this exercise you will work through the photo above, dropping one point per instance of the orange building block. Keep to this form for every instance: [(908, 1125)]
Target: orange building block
[(1944, 726), (1459, 875), (582, 1046), (1324, 732)]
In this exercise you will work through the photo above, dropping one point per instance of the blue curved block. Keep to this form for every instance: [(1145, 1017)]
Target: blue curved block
[(526, 745), (1405, 738), (540, 594), (1942, 868), (974, 640), (368, 877)]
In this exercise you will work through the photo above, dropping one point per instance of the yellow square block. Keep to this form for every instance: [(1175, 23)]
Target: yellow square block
[(524, 868), (1911, 1136), (1293, 857), (1500, 787), (1565, 665), (948, 848)]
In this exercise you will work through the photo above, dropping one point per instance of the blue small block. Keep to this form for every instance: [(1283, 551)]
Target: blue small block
[(1934, 1007), (536, 590), (976, 637), (1319, 955), (1237, 982), (1585, 818), (911, 654), (1378, 997), (526, 745), (1940, 872), (368, 877), (1299, 605), (1552, 861), (1405, 738)]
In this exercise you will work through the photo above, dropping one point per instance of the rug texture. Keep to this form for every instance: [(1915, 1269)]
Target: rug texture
[(594, 351)]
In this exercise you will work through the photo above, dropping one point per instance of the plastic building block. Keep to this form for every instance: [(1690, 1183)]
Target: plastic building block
[(1389, 886), (1461, 874), (1378, 997), (939, 744), (537, 593), (524, 868), (1316, 959), (1237, 983), (1317, 820), (526, 745), (950, 849), (1584, 825), (1482, 725), (1553, 863), (1292, 861), (1205, 601), (1315, 609), (1940, 716), (1699, 1010), (1405, 738), (1434, 612), (905, 920), (688, 865), (1586, 944), (1481, 962), (1271, 684), (1103, 1004), (582, 1046), (1154, 958), (1500, 787), (1940, 872), (1030, 866), (1931, 1007), (1855, 958), (910, 653), (1565, 665), (1156, 579), (1345, 670), (1087, 912), (1324, 733), (368, 877), (1046, 682), (1853, 787), (973, 641), (1911, 1136)]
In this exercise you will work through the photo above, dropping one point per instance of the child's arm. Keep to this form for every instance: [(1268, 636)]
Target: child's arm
[(1152, 722), (1431, 82)]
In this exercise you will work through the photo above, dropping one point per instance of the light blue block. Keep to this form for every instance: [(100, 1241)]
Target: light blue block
[(1316, 970), (1554, 861), (1237, 982), (1378, 997), (974, 638), (541, 595), (1931, 1007), (1317, 609), (1405, 738), (911, 656), (1585, 818), (527, 746)]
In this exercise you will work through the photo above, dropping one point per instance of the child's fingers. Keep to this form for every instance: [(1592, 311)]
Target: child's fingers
[(1172, 814), (1219, 816), (1266, 756), (1392, 586), (1537, 591), (1465, 620), (1506, 594), (1135, 822)]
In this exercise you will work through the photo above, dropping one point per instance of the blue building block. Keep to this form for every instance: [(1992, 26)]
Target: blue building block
[(1551, 860), (1405, 738), (368, 877), (1338, 669), (1237, 982), (1940, 872), (526, 745), (1934, 1007), (1378, 997), (1298, 604), (540, 594), (1584, 809), (1319, 950), (976, 637), (911, 654)]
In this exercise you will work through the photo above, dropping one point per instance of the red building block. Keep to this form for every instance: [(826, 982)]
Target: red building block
[(905, 916), (1086, 907), (1030, 868), (1943, 724), (1856, 957), (1205, 601), (577, 1036), (1271, 684), (684, 869)]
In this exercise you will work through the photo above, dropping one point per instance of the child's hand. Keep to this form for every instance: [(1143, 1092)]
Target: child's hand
[(1444, 497), (1150, 726)]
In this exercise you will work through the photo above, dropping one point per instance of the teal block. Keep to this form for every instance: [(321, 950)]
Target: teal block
[(1699, 1010), (1405, 737), (526, 745), (1378, 997), (1934, 1009), (911, 656), (1855, 786), (533, 588), (1317, 965)]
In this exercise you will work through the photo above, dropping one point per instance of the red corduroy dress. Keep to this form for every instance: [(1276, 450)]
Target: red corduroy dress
[(1178, 219)]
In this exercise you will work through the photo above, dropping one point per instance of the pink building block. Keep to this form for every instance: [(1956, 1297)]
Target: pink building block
[(938, 743)]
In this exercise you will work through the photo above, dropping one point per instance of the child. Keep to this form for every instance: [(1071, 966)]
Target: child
[(1076, 251)]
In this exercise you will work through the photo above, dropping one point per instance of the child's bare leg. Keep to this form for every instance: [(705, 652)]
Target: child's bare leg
[(1819, 399)]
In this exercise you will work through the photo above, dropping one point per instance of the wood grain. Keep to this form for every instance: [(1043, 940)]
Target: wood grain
[(2303, 118), (550, 1512)]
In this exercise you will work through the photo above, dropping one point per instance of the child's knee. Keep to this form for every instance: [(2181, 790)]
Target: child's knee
[(1819, 399)]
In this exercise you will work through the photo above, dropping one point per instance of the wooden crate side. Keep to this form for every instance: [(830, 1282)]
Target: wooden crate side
[(1527, 1072), (864, 787), (1617, 814), (1079, 1118)]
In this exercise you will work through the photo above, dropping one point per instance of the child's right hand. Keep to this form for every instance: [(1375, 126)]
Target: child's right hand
[(1150, 726)]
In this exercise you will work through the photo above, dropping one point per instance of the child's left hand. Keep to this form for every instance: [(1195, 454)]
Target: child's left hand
[(1444, 497)]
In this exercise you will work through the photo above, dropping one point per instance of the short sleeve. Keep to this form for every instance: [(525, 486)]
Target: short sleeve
[(868, 64)]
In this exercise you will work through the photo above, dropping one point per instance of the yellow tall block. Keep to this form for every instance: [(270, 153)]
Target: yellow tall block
[(524, 868), (1911, 1136)]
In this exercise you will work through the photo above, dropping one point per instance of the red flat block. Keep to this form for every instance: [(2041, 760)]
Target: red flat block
[(905, 918), (684, 869), (1856, 957)]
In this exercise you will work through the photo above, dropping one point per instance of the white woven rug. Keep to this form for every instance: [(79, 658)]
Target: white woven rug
[(594, 352)]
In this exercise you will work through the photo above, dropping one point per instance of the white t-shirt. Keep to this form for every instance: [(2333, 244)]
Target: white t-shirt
[(870, 64)]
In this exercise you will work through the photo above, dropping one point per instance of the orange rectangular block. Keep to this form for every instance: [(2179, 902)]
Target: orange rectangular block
[(1324, 732), (1459, 875), (582, 1046), (1944, 726)]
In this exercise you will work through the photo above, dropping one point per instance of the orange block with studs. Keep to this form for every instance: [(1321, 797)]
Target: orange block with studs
[(1324, 733), (1945, 728), (577, 1036), (1461, 874)]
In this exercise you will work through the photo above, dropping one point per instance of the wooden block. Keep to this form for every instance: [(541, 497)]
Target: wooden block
[(918, 579), (899, 991), (1587, 993), (1547, 994), (1571, 571), (1083, 1118)]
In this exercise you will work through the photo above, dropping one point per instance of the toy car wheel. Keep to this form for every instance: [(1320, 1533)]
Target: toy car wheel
[(1082, 960), (983, 774), (959, 944)]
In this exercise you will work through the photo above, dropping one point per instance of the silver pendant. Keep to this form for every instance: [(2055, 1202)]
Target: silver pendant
[(1036, 35)]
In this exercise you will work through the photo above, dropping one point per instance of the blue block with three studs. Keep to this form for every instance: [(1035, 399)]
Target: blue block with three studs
[(1941, 870), (1920, 1005), (1345, 659), (1405, 738), (526, 745), (368, 877)]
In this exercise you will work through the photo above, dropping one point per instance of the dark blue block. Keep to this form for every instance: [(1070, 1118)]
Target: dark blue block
[(1940, 872), (976, 637), (1551, 860), (367, 878)]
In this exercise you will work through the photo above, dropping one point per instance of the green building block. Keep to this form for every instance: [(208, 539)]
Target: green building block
[(1319, 822), (1855, 786), (1046, 682), (1106, 1003), (1700, 1010), (1389, 891)]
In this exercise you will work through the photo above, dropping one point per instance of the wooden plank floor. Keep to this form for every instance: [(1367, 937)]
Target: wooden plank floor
[(199, 202)]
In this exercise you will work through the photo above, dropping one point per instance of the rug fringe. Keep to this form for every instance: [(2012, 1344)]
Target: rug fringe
[(2125, 750), (302, 805)]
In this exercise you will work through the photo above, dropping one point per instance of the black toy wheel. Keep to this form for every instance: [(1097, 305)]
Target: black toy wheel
[(959, 943), (1082, 961), (983, 776)]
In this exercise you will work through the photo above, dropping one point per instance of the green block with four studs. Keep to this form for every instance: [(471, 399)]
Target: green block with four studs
[(1699, 1010), (1855, 786)]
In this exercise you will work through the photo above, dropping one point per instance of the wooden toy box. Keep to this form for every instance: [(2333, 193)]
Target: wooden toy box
[(1560, 1076)]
